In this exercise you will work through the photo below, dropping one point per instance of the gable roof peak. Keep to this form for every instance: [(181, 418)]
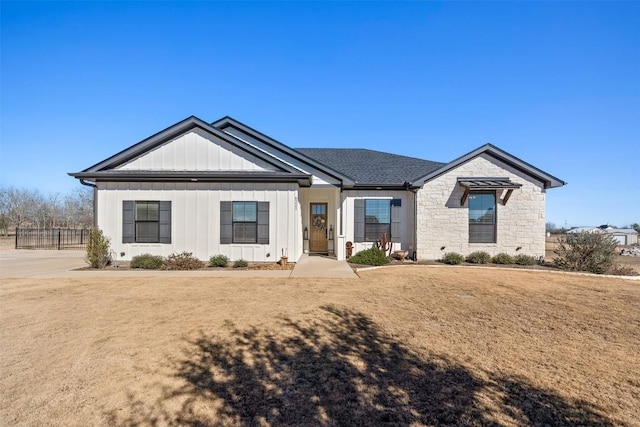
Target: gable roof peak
[(549, 180)]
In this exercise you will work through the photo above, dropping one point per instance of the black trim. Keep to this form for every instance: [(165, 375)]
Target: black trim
[(304, 180), (179, 128)]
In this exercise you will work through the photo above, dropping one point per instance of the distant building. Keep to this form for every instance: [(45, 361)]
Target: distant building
[(624, 236)]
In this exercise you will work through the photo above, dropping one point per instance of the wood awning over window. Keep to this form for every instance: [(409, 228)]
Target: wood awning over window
[(487, 184)]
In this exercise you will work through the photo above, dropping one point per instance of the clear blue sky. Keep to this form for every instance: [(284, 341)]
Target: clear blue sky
[(554, 83)]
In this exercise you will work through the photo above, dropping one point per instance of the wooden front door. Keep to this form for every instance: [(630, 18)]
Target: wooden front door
[(318, 227)]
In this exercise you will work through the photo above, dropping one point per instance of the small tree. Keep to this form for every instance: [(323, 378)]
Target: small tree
[(592, 252), (98, 248)]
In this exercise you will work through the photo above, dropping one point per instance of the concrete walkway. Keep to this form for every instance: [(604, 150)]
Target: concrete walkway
[(321, 266)]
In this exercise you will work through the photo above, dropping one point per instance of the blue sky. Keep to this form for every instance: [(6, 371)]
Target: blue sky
[(554, 83)]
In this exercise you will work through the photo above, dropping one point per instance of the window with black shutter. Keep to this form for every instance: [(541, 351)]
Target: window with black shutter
[(146, 221)]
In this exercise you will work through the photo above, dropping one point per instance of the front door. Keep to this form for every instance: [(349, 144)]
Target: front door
[(318, 228)]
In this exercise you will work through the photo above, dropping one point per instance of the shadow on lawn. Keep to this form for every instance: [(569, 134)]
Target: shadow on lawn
[(339, 371)]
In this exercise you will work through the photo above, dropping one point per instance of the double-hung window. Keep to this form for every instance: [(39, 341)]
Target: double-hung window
[(482, 217), (245, 222), (374, 217), (146, 221), (377, 219)]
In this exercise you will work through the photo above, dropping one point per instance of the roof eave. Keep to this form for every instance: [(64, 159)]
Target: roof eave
[(304, 180), (379, 186)]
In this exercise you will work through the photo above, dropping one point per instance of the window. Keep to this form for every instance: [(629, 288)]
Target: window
[(482, 217), (372, 217), (146, 221), (245, 222), (377, 219)]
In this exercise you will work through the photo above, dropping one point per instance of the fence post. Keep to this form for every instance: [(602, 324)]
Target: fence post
[(17, 230), (59, 234)]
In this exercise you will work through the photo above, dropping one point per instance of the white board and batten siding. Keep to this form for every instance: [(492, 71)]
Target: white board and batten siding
[(197, 150), (401, 217), (195, 218), (320, 179)]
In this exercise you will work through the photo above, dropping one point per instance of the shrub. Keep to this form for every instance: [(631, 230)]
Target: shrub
[(478, 257), (98, 248), (182, 261), (502, 258), (452, 258), (372, 256), (218, 261), (522, 259), (592, 252), (622, 270), (147, 261), (240, 263)]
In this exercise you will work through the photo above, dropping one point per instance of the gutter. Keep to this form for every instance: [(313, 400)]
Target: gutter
[(95, 200)]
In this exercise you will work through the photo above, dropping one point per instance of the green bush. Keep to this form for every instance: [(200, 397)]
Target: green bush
[(523, 259), (240, 263), (98, 248), (478, 257), (147, 262), (182, 261), (502, 258), (218, 261), (372, 256), (452, 258), (592, 252)]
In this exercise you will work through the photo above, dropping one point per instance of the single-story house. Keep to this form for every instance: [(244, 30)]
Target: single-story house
[(225, 188)]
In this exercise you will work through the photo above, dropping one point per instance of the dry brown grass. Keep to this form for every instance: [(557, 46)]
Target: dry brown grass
[(417, 345), (8, 242)]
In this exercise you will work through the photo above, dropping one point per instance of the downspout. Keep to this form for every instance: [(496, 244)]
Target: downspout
[(414, 190), (95, 200)]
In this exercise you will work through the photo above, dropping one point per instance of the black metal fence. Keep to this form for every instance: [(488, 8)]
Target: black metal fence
[(52, 238)]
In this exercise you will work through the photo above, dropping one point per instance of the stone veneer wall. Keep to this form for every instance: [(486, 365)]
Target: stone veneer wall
[(442, 222)]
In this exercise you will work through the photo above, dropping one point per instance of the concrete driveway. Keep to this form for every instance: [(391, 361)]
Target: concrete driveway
[(38, 263)]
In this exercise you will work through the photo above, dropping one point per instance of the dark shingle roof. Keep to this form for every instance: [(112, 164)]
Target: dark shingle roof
[(372, 167)]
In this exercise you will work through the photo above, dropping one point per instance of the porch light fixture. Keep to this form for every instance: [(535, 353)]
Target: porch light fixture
[(331, 232), (305, 234)]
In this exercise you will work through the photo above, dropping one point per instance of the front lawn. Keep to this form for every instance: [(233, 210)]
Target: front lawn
[(401, 346)]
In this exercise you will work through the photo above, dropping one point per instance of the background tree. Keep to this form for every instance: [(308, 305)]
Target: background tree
[(30, 208)]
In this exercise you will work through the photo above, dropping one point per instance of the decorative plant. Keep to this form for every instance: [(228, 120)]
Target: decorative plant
[(98, 248), (385, 245)]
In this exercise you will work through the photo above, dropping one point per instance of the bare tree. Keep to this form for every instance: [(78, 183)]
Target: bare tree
[(30, 208)]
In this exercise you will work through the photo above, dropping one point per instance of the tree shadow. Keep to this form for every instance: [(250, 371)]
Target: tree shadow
[(339, 369)]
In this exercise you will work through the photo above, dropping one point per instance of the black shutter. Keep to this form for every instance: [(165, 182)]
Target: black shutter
[(226, 222), (263, 223), (396, 220), (358, 214), (165, 222), (128, 222)]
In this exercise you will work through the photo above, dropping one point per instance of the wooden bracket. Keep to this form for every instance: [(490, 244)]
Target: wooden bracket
[(464, 196)]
